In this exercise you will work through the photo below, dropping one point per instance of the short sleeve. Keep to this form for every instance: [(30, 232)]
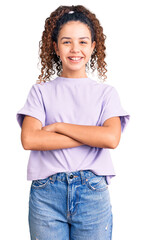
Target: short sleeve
[(33, 106), (112, 108)]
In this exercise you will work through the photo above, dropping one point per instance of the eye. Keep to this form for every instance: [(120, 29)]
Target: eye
[(83, 42), (66, 42)]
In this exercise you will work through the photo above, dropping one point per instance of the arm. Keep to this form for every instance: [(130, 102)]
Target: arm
[(33, 137), (106, 136)]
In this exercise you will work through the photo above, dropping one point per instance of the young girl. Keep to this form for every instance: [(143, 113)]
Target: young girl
[(69, 123)]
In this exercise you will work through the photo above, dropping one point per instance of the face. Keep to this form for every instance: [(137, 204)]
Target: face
[(74, 48)]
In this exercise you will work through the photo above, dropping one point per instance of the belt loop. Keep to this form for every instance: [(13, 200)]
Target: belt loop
[(53, 177), (82, 177)]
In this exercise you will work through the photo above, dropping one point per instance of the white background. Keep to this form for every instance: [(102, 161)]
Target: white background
[(124, 24)]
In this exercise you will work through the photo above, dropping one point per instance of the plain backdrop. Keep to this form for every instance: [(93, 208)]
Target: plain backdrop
[(124, 24)]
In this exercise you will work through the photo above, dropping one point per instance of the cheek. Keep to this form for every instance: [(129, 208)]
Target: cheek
[(63, 52), (88, 54), (87, 51)]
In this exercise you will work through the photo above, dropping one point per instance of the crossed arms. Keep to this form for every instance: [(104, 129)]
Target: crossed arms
[(65, 135)]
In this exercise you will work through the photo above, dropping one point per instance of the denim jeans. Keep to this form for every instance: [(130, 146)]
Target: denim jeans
[(70, 206)]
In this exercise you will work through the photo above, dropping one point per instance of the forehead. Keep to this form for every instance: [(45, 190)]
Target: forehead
[(74, 29)]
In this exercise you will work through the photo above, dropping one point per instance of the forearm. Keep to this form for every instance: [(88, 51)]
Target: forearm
[(42, 140), (94, 136)]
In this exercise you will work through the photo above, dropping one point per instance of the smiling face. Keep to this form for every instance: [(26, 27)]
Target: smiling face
[(74, 48)]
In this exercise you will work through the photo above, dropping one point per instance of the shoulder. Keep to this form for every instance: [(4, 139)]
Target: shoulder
[(41, 88), (44, 85), (106, 89), (107, 92)]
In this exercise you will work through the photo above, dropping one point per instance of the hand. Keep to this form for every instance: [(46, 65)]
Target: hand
[(51, 127)]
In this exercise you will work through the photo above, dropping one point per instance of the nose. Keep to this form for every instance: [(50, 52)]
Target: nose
[(75, 48)]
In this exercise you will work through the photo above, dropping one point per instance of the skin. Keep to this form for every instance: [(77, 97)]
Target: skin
[(74, 40)]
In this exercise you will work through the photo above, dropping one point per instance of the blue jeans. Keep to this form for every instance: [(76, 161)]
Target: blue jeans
[(70, 205)]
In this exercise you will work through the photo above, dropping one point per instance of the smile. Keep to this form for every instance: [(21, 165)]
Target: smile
[(75, 59)]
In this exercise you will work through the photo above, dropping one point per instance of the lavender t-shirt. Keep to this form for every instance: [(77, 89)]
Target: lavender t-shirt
[(81, 101)]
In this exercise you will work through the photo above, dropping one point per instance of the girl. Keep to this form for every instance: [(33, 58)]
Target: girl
[(69, 123)]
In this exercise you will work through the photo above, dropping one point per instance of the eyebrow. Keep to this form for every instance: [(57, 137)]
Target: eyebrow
[(70, 38)]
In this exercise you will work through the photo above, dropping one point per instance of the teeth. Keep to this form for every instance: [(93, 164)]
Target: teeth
[(75, 58)]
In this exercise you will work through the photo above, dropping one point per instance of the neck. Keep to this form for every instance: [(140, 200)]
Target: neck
[(73, 75)]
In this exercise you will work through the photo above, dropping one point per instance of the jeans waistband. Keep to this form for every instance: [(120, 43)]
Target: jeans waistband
[(73, 176)]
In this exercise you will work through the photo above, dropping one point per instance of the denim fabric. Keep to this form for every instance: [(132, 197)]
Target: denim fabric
[(70, 205)]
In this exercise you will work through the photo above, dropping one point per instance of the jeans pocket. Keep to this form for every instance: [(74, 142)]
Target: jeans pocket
[(40, 183), (97, 183)]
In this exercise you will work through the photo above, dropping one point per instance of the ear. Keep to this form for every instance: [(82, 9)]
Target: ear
[(56, 48), (93, 46)]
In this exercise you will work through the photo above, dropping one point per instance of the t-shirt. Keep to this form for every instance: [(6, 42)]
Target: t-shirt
[(81, 101)]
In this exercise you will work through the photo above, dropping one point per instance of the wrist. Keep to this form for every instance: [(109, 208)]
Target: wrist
[(58, 126)]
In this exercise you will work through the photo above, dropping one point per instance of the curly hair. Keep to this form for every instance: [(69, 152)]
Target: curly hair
[(50, 62)]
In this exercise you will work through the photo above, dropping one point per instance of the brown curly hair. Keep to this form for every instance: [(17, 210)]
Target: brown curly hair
[(51, 63)]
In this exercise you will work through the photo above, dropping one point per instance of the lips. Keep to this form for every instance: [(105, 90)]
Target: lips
[(75, 59)]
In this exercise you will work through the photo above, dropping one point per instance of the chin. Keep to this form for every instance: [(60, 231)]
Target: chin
[(76, 68)]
